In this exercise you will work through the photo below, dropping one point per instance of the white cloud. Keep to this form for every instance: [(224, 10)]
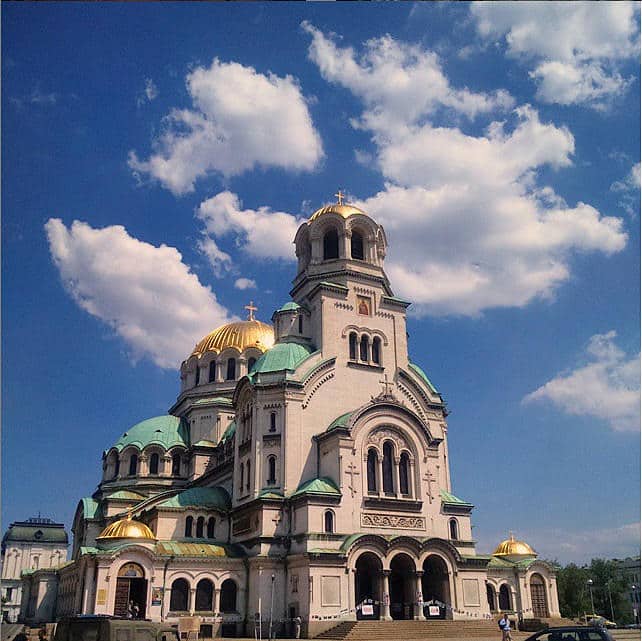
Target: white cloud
[(261, 233), (239, 119), (631, 182), (399, 83), (575, 47), (607, 388), (575, 546), (146, 294), (244, 283), (149, 93), (469, 226)]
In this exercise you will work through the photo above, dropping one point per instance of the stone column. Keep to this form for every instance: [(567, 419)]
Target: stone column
[(419, 596), (191, 601), (166, 468), (219, 371), (87, 605), (385, 601), (217, 600)]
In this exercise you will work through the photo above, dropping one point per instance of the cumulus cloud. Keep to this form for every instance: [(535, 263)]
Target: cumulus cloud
[(239, 119), (399, 83), (575, 47), (244, 283), (260, 233), (469, 225), (607, 388), (146, 294), (631, 182)]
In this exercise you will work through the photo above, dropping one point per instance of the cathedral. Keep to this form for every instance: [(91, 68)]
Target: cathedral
[(302, 474)]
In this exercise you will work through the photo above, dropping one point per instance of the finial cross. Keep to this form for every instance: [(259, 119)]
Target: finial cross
[(340, 196), (386, 385), (250, 310), (352, 470)]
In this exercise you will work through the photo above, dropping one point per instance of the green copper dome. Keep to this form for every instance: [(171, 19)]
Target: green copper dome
[(290, 306), (166, 431), (283, 356)]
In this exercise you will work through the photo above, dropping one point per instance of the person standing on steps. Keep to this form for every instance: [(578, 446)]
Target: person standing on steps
[(504, 626)]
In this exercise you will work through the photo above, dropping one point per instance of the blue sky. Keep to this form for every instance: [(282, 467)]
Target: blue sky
[(158, 159)]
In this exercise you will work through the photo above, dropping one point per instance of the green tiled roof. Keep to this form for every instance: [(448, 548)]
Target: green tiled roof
[(212, 497), (229, 432), (35, 533), (269, 493), (283, 356), (126, 495), (166, 431), (422, 375), (290, 305), (221, 400), (205, 443), (322, 485), (197, 549), (340, 421), (451, 499), (91, 508)]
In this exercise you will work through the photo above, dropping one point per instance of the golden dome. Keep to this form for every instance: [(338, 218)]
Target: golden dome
[(341, 209), (512, 547), (126, 529), (241, 335)]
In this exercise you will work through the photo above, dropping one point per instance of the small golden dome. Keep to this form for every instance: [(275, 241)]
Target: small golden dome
[(241, 335), (512, 547), (126, 529), (341, 209)]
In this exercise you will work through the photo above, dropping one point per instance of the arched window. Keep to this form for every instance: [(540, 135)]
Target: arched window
[(231, 369), (300, 323), (250, 364), (328, 522), (388, 486), (133, 464), (189, 521), (210, 527), (178, 598), (242, 478), (153, 463), (200, 523), (372, 471), (212, 375), (176, 465), (454, 529), (356, 245), (272, 421), (271, 470), (404, 473), (247, 486), (504, 598), (331, 245), (363, 348), (228, 596), (490, 597), (197, 377), (116, 467), (204, 594), (376, 350), (353, 346)]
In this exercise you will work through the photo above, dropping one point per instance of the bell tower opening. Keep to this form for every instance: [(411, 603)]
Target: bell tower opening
[(331, 245)]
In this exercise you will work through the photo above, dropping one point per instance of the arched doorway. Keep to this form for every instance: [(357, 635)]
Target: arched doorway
[(538, 597), (435, 587), (504, 598), (490, 597), (131, 588), (402, 587), (367, 586)]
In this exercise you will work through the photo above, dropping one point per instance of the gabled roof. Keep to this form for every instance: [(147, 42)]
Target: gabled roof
[(210, 497), (450, 499), (322, 485)]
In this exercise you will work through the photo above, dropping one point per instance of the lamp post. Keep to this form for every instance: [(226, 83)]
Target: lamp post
[(635, 603), (590, 585), (271, 608), (608, 587)]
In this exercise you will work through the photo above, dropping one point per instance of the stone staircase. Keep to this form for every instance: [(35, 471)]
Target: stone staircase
[(414, 630)]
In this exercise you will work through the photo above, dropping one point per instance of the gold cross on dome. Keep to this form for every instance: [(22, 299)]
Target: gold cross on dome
[(340, 196), (250, 311)]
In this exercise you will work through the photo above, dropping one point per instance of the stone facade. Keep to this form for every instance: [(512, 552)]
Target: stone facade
[(309, 478)]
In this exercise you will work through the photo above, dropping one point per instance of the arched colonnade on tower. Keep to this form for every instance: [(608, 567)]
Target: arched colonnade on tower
[(402, 580)]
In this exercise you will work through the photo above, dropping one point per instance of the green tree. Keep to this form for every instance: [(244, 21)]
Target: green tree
[(573, 591), (610, 587)]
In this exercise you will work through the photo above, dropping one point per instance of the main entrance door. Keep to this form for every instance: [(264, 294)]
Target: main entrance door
[(367, 582), (402, 587), (538, 597), (435, 587), (131, 588)]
